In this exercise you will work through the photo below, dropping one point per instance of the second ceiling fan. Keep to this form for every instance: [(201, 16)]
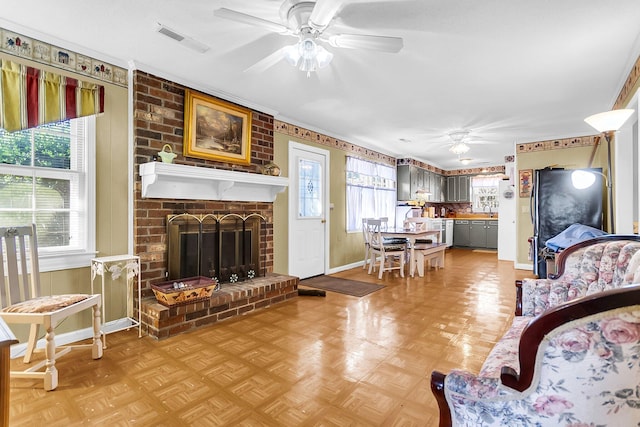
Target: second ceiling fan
[(310, 22)]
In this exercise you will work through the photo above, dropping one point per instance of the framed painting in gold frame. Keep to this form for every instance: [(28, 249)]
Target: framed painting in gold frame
[(216, 130)]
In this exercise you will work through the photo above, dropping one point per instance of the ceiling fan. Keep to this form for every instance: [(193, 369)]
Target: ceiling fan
[(457, 141), (310, 22)]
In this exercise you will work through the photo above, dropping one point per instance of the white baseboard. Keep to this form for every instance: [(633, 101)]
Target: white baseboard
[(345, 267), (18, 350), (517, 266), (520, 266)]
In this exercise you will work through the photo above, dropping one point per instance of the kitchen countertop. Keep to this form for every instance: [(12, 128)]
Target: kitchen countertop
[(474, 217)]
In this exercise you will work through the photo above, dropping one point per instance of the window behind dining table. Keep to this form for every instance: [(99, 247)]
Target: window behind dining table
[(371, 192)]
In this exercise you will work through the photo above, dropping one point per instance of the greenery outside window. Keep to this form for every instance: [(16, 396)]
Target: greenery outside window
[(47, 177)]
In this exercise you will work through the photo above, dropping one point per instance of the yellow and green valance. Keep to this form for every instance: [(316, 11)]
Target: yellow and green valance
[(30, 97)]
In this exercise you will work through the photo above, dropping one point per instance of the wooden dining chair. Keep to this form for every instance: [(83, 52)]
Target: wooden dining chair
[(21, 303), (387, 256), (367, 243), (418, 223), (384, 225)]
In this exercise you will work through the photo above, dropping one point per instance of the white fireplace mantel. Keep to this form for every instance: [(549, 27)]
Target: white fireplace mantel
[(173, 181)]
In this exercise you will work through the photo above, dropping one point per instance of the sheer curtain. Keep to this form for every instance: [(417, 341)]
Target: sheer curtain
[(486, 180), (484, 191), (371, 192)]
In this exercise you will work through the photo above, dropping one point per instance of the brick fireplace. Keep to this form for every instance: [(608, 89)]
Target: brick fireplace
[(158, 112)]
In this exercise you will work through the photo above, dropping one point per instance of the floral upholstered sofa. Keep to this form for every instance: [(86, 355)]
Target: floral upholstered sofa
[(572, 355)]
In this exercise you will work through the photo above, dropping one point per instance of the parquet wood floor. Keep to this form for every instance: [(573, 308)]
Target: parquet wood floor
[(310, 361)]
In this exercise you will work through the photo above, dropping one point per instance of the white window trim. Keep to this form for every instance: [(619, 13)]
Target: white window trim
[(61, 259), (76, 259)]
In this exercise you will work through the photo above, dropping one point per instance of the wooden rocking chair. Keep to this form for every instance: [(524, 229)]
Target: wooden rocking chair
[(20, 302)]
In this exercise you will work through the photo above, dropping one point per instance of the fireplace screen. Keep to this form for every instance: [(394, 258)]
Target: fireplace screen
[(226, 247)]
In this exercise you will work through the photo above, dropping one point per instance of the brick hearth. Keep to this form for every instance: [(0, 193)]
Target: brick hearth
[(230, 300)]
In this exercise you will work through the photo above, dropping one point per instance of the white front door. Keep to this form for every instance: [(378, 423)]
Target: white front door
[(308, 219)]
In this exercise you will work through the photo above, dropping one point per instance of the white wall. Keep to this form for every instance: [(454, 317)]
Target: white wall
[(506, 222), (626, 165)]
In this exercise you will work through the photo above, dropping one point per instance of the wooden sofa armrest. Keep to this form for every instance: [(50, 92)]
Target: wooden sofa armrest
[(437, 388), (518, 298)]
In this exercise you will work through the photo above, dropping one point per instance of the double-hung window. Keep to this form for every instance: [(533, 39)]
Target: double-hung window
[(47, 177), (371, 192), (484, 192)]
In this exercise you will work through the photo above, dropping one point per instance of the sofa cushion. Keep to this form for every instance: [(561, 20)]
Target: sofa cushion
[(588, 270), (46, 304), (505, 352), (632, 273), (590, 263)]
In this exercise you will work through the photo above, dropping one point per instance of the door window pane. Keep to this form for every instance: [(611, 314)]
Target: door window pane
[(309, 189)]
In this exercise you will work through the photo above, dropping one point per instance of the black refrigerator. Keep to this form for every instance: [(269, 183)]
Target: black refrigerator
[(556, 204)]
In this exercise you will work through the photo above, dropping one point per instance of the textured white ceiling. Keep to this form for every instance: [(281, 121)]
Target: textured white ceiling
[(509, 71)]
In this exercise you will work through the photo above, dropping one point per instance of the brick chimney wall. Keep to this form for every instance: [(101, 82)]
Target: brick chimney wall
[(159, 120)]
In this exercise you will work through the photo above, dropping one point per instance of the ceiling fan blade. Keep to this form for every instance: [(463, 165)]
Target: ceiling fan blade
[(323, 12), (358, 41), (233, 15), (268, 61)]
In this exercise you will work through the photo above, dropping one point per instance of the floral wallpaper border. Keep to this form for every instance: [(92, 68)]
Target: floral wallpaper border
[(465, 171), (309, 135), (45, 53), (630, 83), (556, 144), (328, 141)]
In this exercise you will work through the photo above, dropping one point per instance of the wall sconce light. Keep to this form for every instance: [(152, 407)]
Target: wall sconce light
[(606, 123)]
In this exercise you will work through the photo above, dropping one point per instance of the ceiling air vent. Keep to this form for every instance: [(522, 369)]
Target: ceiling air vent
[(182, 39)]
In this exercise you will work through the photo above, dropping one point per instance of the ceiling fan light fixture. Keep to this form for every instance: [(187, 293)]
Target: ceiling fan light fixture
[(307, 48), (292, 54), (308, 19), (323, 57), (458, 136), (459, 148), (307, 55), (466, 160)]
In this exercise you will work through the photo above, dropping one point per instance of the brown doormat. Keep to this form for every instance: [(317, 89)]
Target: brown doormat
[(343, 286)]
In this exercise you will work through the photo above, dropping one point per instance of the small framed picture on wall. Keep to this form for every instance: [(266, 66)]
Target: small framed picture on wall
[(525, 182)]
